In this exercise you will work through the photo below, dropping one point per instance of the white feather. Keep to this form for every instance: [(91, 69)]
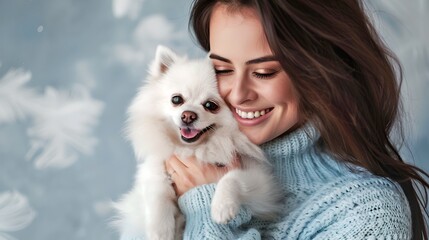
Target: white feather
[(15, 213), (127, 8), (62, 128), (16, 100)]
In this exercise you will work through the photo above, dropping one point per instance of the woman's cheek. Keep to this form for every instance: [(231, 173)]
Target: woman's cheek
[(224, 87)]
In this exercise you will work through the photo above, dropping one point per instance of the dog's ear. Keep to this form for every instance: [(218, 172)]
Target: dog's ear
[(164, 57)]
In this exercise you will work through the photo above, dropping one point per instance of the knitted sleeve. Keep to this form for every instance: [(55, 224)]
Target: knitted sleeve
[(195, 205), (366, 208)]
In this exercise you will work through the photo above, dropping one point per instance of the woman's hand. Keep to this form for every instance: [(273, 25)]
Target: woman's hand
[(189, 173)]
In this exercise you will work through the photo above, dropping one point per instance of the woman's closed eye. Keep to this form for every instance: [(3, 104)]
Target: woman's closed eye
[(265, 75), (223, 71)]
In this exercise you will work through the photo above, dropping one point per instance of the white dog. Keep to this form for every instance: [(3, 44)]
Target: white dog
[(180, 112)]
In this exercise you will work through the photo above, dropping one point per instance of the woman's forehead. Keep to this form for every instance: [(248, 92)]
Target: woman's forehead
[(237, 36)]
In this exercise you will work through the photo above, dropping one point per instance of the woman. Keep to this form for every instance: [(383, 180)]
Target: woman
[(312, 83)]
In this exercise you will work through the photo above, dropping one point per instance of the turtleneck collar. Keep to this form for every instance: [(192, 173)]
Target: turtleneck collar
[(294, 143), (298, 163)]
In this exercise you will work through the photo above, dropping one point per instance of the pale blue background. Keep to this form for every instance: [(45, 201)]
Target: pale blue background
[(74, 66)]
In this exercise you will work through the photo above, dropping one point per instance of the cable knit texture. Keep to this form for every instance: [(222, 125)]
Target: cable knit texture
[(325, 199)]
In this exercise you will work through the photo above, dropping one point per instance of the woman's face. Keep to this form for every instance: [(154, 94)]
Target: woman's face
[(251, 80)]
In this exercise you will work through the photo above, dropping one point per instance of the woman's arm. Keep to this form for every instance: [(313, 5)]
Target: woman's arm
[(357, 207), (372, 208)]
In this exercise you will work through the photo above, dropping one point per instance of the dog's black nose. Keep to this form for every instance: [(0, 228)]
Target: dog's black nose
[(189, 117)]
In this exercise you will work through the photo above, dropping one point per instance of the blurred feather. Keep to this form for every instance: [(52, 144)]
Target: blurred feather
[(151, 31), (16, 100), (123, 8), (62, 128), (62, 121), (15, 213)]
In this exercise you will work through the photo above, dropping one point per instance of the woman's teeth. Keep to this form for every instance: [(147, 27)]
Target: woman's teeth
[(251, 115)]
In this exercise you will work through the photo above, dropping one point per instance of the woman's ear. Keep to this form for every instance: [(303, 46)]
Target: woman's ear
[(164, 58)]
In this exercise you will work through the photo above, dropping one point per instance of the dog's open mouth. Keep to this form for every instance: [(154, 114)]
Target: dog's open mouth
[(191, 135)]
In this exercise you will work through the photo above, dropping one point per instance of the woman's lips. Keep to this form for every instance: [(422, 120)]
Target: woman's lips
[(252, 118)]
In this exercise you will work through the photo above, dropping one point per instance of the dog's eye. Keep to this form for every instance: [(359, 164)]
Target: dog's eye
[(177, 100), (211, 106)]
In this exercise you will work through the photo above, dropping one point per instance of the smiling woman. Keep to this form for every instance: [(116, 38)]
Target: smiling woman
[(313, 84)]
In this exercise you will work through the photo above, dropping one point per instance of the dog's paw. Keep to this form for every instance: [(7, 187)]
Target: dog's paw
[(224, 209)]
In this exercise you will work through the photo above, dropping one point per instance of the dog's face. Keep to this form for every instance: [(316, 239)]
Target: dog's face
[(190, 99)]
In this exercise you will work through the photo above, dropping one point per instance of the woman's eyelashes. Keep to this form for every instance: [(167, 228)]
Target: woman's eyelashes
[(266, 74), (223, 71)]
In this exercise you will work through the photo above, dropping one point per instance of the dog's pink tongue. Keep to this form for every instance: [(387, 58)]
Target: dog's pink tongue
[(189, 132)]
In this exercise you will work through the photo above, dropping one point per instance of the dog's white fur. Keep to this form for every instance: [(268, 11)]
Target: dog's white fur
[(150, 209)]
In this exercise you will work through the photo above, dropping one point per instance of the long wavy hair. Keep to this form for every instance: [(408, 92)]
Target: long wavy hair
[(347, 80)]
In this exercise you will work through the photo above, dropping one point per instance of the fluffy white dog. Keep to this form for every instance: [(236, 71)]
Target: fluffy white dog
[(179, 111)]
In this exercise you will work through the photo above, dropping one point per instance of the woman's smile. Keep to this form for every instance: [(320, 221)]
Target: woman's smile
[(251, 118)]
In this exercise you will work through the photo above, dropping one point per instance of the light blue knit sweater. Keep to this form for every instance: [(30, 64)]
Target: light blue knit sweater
[(324, 200)]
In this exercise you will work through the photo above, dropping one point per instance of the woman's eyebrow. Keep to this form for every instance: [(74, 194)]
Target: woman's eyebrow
[(253, 61), (217, 57), (262, 59)]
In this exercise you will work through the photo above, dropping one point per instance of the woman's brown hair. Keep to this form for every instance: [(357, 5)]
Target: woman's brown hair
[(346, 80)]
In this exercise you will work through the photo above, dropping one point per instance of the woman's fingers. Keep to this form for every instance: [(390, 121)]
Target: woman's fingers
[(188, 173), (176, 163), (174, 168)]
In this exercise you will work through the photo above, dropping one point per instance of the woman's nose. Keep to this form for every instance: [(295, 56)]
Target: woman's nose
[(242, 91)]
